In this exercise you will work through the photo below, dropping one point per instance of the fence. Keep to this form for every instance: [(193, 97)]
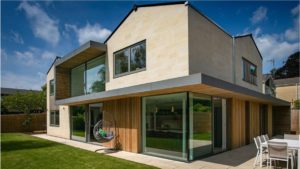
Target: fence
[(14, 123)]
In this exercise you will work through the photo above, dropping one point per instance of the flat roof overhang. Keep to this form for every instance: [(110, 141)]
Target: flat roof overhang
[(199, 83), (84, 53)]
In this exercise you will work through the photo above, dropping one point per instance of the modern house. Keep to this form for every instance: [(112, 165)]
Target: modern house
[(175, 84)]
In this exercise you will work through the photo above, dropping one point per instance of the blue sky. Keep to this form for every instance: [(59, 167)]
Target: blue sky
[(34, 33)]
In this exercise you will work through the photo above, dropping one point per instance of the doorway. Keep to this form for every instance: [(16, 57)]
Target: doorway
[(95, 115), (83, 119)]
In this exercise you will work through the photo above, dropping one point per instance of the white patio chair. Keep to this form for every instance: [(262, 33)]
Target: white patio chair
[(266, 137), (264, 151), (262, 139), (278, 151), (291, 137)]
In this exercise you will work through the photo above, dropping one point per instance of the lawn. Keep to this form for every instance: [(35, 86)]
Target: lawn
[(21, 151)]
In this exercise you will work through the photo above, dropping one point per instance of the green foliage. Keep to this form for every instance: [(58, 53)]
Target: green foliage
[(290, 68), (296, 104), (27, 103), (201, 108)]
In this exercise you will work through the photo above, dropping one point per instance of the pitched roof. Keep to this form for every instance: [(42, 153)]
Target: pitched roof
[(287, 81), (56, 58), (135, 7), (251, 36)]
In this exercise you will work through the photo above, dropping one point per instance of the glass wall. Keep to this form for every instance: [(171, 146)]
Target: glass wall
[(77, 81), (78, 121), (164, 125), (95, 75), (88, 77), (200, 124)]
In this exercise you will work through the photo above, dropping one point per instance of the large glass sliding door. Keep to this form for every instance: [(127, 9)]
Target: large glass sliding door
[(200, 124), (164, 125), (78, 122)]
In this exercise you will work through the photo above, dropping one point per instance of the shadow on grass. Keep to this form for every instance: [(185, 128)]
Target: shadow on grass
[(7, 146)]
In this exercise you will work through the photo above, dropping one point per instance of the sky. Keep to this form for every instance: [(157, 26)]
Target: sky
[(33, 33)]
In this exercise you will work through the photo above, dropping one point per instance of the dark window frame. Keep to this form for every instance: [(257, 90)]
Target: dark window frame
[(54, 113), (50, 83), (247, 77), (129, 58)]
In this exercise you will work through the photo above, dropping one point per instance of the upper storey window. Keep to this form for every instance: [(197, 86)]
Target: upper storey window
[(51, 83), (88, 77), (249, 72), (130, 59)]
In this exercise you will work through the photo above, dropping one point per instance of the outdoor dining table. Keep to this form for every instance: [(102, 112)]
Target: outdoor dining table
[(292, 145)]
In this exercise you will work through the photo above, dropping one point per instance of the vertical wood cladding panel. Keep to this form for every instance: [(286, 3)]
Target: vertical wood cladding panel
[(127, 116), (238, 117), (62, 83), (254, 120)]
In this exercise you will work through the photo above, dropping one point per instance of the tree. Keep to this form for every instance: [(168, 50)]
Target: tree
[(290, 68), (29, 102)]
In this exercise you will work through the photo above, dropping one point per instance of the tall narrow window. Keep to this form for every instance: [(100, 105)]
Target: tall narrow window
[(78, 81), (51, 84), (130, 59), (54, 118), (95, 75), (249, 72)]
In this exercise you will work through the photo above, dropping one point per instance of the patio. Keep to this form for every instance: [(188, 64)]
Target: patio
[(239, 158)]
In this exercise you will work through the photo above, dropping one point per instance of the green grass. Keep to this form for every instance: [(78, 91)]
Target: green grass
[(79, 133), (21, 151), (202, 136), (164, 143)]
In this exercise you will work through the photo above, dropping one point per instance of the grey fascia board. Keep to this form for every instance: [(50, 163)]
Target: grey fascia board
[(160, 85), (89, 44), (211, 81), (194, 79)]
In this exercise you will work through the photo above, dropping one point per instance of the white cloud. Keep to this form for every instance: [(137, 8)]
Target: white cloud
[(48, 55), (292, 34), (259, 15), (295, 10), (33, 56), (16, 37), (13, 80), (89, 32), (3, 54), (43, 26)]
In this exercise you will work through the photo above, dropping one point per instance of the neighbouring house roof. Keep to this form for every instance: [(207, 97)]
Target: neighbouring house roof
[(10, 91), (82, 54), (135, 8), (195, 82), (287, 81), (57, 57), (251, 36)]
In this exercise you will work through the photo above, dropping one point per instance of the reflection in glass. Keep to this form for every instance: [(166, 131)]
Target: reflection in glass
[(77, 81), (138, 57), (164, 125), (95, 75), (78, 122), (121, 61), (200, 125)]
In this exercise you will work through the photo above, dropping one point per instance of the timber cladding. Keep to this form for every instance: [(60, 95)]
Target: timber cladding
[(126, 113), (62, 82), (244, 122)]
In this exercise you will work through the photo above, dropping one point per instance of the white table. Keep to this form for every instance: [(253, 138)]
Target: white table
[(292, 144)]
